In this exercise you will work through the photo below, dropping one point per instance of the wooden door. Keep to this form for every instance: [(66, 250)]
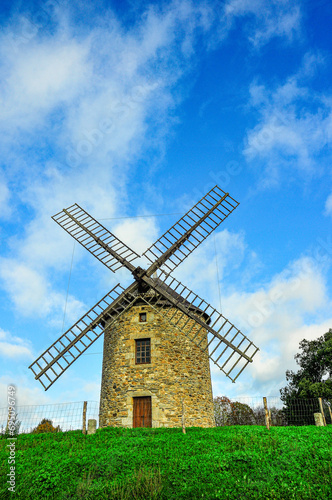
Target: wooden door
[(142, 414)]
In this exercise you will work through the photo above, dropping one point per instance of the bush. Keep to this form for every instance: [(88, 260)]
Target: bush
[(45, 426)]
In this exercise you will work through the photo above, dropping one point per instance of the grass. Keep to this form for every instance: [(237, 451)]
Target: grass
[(238, 462)]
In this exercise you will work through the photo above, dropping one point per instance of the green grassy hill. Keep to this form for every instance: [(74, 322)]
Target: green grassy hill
[(240, 462)]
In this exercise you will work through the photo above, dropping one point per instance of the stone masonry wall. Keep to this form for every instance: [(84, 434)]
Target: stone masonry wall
[(179, 370)]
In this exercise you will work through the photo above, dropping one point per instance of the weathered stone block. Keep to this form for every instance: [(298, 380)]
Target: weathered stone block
[(92, 425), (319, 419)]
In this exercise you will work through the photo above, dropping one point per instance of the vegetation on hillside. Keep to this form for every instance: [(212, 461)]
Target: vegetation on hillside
[(238, 462)]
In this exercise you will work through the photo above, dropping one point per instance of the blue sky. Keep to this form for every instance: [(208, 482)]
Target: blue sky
[(134, 110)]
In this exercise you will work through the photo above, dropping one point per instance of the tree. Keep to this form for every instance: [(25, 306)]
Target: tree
[(45, 426), (313, 380), (232, 413), (242, 414), (12, 429), (222, 410)]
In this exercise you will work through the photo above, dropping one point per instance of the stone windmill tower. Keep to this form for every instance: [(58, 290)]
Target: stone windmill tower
[(159, 335)]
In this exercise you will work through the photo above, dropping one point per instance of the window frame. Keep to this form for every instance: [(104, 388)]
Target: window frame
[(140, 317), (136, 353)]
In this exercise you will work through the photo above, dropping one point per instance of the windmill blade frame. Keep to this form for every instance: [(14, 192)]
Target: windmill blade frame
[(53, 362), (93, 236), (230, 348), (174, 246)]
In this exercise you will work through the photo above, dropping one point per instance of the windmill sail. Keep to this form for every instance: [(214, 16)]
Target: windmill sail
[(189, 232), (227, 346), (214, 334), (93, 236), (59, 356)]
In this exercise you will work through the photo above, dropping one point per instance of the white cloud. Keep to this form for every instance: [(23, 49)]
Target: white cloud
[(5, 209), (16, 277), (41, 77), (92, 389), (276, 18), (31, 293), (276, 318), (106, 74), (328, 205), (26, 394), (72, 84), (14, 347), (138, 233), (295, 292), (221, 254), (294, 125), (95, 98)]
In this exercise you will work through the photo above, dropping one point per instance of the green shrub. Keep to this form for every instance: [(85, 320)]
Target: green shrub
[(45, 426)]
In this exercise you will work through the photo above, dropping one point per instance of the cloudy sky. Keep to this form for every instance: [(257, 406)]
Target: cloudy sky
[(134, 110)]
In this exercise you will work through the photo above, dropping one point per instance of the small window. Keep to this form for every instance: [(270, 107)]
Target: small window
[(142, 317), (143, 351)]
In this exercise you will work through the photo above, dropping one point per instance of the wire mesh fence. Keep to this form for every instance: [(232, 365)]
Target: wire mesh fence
[(64, 416), (251, 411), (239, 411)]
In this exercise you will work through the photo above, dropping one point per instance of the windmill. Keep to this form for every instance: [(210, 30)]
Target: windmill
[(159, 335)]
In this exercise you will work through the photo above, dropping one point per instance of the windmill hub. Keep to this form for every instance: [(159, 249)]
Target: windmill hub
[(159, 335), (139, 273)]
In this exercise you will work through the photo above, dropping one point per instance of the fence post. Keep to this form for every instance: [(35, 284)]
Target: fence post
[(183, 419), (330, 412), (322, 410), (267, 420), (84, 416)]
